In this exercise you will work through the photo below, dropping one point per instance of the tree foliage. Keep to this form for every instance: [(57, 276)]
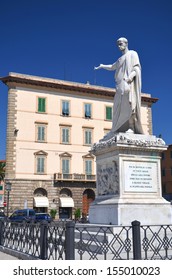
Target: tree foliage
[(2, 170), (53, 213)]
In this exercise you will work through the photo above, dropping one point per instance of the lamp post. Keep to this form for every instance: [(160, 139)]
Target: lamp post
[(8, 189)]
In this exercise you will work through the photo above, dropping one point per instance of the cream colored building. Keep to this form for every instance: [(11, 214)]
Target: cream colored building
[(51, 126)]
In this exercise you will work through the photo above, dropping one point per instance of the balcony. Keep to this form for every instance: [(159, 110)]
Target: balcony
[(74, 177)]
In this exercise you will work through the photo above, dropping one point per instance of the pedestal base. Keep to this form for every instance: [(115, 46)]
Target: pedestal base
[(129, 181), (123, 213)]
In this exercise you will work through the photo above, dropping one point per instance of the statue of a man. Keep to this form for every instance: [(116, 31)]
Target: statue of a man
[(127, 100)]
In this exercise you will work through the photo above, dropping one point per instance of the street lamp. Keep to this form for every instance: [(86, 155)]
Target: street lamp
[(8, 189)]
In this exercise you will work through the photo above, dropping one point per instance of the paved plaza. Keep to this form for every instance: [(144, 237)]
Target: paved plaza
[(4, 256)]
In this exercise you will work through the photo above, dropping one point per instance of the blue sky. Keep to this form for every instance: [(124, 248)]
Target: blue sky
[(65, 39)]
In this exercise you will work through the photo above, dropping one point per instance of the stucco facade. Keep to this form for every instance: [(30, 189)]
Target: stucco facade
[(166, 166), (51, 125)]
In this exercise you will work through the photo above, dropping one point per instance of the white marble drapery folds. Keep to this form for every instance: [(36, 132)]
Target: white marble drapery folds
[(127, 100)]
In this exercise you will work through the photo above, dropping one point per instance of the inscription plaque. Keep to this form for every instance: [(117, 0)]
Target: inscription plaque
[(140, 176)]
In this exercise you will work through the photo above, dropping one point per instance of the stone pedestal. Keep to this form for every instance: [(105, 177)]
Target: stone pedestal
[(129, 181)]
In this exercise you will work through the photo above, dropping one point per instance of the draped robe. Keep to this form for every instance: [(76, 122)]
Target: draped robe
[(127, 100)]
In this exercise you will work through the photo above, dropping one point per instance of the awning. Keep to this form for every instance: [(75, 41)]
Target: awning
[(41, 201), (66, 202)]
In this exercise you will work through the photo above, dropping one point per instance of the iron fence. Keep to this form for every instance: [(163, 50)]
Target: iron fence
[(156, 242), (22, 237), (67, 240), (105, 242)]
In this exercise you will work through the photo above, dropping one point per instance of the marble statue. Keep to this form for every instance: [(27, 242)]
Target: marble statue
[(127, 100)]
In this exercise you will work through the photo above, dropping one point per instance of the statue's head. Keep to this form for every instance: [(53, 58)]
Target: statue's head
[(122, 39), (122, 44)]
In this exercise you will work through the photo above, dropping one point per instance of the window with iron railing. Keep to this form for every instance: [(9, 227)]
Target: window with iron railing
[(66, 168), (88, 169)]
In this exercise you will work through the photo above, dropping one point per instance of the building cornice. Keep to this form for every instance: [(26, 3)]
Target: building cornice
[(23, 80)]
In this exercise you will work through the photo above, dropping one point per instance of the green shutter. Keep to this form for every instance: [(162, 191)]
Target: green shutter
[(41, 104), (108, 113)]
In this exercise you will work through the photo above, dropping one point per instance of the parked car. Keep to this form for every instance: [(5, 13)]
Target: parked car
[(22, 215), (2, 216), (39, 217)]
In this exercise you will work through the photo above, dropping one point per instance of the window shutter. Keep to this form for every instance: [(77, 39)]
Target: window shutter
[(65, 135), (88, 137), (88, 110), (41, 104), (41, 133), (108, 113), (65, 166), (65, 108), (40, 165), (88, 167)]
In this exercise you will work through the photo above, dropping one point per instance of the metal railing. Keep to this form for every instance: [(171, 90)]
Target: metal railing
[(67, 240), (156, 242), (74, 177), (103, 243)]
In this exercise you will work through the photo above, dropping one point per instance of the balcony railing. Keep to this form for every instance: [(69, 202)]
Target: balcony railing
[(74, 177)]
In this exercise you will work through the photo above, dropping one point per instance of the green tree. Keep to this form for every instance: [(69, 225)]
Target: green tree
[(77, 213), (53, 213), (2, 170)]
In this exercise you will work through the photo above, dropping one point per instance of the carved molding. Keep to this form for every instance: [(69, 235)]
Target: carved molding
[(129, 139)]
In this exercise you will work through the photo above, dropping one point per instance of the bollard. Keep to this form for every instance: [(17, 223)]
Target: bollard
[(70, 241), (43, 240), (136, 240)]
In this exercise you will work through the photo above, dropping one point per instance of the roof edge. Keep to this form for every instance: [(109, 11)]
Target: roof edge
[(26, 79)]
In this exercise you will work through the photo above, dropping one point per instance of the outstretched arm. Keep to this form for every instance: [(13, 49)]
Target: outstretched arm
[(109, 67)]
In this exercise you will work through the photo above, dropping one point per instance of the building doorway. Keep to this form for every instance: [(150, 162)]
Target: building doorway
[(87, 198)]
